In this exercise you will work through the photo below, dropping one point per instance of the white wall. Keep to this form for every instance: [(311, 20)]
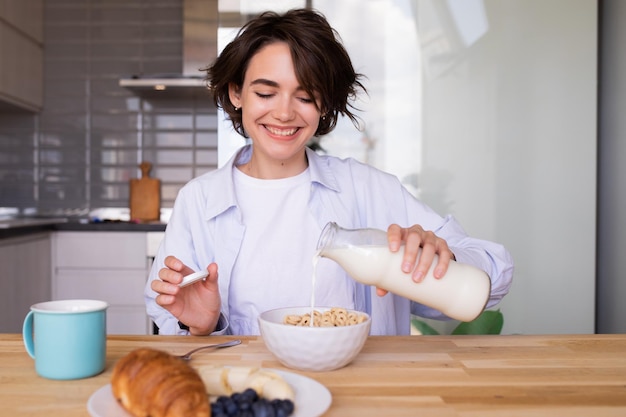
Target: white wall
[(510, 124)]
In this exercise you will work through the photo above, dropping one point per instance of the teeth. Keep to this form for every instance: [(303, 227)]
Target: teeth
[(281, 132)]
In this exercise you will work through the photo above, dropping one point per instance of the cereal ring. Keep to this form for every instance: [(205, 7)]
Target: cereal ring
[(335, 316), (340, 317), (292, 319), (326, 322)]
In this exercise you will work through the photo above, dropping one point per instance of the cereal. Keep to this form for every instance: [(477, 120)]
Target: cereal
[(334, 317)]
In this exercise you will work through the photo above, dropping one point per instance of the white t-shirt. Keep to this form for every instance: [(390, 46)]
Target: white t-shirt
[(274, 267)]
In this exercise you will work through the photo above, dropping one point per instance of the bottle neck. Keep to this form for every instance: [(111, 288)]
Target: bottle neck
[(327, 237)]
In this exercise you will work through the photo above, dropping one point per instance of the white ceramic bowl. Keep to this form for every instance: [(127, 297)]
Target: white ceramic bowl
[(312, 348)]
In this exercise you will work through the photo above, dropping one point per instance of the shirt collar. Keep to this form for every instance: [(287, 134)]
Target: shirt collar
[(221, 187), (320, 169), (321, 172)]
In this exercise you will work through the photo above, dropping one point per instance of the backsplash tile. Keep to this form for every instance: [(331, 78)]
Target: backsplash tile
[(80, 151)]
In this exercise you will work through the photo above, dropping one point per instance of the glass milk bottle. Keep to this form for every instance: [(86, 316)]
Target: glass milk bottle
[(461, 293)]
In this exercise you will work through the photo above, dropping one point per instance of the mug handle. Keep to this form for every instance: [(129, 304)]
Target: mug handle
[(27, 334)]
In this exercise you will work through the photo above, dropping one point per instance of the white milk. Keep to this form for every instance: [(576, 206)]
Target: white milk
[(461, 293), (316, 258)]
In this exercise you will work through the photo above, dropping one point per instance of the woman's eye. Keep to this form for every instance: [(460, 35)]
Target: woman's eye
[(266, 96)]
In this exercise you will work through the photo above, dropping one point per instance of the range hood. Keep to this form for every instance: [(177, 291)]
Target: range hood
[(200, 22)]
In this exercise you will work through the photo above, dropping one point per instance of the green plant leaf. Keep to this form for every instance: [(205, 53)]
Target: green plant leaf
[(423, 328), (489, 322)]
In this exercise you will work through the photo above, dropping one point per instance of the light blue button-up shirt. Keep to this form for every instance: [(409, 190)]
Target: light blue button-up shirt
[(206, 226)]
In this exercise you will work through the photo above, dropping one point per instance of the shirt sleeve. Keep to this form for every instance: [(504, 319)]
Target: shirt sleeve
[(178, 242), (187, 239), (488, 256)]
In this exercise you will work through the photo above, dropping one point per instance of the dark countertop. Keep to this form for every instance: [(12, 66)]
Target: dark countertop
[(22, 226), (110, 226), (28, 222)]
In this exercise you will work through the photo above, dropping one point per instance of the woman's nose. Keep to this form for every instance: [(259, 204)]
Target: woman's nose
[(284, 110)]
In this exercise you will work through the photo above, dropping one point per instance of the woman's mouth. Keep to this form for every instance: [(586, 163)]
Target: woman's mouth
[(282, 132)]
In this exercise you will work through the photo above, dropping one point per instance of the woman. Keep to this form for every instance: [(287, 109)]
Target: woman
[(284, 80)]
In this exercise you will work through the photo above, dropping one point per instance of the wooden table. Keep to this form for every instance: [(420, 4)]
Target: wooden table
[(482, 376)]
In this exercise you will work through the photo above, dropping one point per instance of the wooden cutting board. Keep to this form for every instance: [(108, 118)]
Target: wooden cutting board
[(145, 196)]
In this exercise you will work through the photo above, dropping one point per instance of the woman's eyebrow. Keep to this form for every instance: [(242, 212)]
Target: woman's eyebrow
[(264, 81), (270, 83)]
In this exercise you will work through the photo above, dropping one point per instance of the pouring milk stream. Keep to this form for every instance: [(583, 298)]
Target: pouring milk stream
[(461, 294)]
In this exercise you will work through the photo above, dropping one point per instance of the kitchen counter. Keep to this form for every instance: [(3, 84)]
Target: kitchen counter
[(517, 375), (10, 227), (110, 226), (30, 222)]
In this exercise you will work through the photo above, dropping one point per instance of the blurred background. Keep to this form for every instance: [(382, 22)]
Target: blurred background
[(503, 113)]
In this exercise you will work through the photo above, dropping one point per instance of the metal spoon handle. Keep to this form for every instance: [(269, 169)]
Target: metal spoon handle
[(187, 355)]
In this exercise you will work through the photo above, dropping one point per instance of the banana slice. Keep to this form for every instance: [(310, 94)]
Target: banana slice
[(238, 377), (257, 381), (215, 380), (226, 380), (278, 389)]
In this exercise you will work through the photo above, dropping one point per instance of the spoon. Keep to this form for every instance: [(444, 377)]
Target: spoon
[(187, 356)]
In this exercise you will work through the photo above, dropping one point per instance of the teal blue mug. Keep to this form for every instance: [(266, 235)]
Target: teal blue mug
[(67, 338)]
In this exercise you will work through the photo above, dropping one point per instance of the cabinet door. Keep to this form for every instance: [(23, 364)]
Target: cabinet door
[(122, 289), (117, 287), (21, 53), (25, 15), (109, 266), (101, 250), (25, 278)]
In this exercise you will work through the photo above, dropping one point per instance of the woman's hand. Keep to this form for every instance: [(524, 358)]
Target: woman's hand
[(414, 238), (196, 305)]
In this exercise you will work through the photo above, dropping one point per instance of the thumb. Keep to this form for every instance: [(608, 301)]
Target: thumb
[(213, 274)]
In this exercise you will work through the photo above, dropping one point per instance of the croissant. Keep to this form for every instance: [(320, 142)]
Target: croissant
[(153, 383)]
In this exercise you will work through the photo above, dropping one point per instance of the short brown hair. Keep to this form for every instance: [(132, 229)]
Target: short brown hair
[(321, 63)]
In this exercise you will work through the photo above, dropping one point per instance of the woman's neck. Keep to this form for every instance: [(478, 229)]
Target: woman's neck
[(262, 168)]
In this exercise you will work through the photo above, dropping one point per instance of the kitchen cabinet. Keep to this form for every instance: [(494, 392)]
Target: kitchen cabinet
[(21, 54), (109, 266), (25, 277)]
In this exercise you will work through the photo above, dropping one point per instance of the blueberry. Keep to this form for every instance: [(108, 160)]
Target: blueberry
[(249, 404), (230, 407), (262, 408), (283, 408), (217, 410), (222, 399), (217, 407), (288, 406), (250, 395)]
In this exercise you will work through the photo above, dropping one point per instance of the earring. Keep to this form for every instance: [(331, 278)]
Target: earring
[(324, 117), (236, 108)]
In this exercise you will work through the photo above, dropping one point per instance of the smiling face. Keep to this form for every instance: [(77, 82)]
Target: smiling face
[(278, 114)]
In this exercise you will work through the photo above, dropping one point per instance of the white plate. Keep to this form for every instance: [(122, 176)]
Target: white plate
[(191, 278), (312, 398)]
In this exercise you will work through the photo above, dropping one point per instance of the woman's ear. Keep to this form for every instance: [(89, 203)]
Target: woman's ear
[(234, 94)]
